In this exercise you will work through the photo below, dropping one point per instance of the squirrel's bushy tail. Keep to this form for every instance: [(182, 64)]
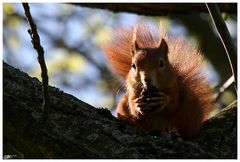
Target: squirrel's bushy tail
[(187, 62)]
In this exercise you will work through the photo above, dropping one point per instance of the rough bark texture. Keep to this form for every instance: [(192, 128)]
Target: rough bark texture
[(74, 129)]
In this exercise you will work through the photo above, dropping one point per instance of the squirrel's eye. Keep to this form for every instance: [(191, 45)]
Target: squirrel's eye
[(133, 66), (162, 64)]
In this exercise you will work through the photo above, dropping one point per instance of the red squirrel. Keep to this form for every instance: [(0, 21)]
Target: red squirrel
[(165, 87)]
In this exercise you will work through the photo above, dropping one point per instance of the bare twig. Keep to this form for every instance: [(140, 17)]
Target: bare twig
[(225, 86), (225, 37), (37, 45)]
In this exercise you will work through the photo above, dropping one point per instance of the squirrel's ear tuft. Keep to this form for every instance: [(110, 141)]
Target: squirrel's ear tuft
[(135, 46), (163, 47)]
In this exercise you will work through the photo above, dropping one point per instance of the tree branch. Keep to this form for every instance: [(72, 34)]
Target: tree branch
[(37, 45), (75, 129), (225, 37), (157, 9)]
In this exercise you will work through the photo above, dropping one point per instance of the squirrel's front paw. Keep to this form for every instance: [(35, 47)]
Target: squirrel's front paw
[(151, 104)]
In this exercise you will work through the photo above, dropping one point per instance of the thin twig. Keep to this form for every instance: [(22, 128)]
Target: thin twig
[(225, 86), (37, 45), (225, 37)]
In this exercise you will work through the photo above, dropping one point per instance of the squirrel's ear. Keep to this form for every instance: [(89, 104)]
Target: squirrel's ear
[(135, 46), (163, 47)]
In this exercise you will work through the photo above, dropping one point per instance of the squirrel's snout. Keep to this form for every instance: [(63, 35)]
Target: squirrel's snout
[(149, 81), (148, 86), (146, 82)]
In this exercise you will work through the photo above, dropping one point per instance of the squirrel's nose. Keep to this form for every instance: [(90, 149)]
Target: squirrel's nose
[(148, 85)]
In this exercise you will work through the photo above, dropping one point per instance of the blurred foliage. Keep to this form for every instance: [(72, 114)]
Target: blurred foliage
[(74, 63), (72, 37)]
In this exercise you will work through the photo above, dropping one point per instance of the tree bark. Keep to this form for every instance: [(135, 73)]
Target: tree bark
[(74, 129)]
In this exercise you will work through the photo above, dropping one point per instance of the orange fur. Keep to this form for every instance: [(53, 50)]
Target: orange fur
[(191, 99)]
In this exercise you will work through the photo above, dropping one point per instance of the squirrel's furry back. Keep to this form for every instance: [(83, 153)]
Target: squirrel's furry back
[(185, 59)]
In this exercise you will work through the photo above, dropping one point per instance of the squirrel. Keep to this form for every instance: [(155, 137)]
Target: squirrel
[(165, 85)]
